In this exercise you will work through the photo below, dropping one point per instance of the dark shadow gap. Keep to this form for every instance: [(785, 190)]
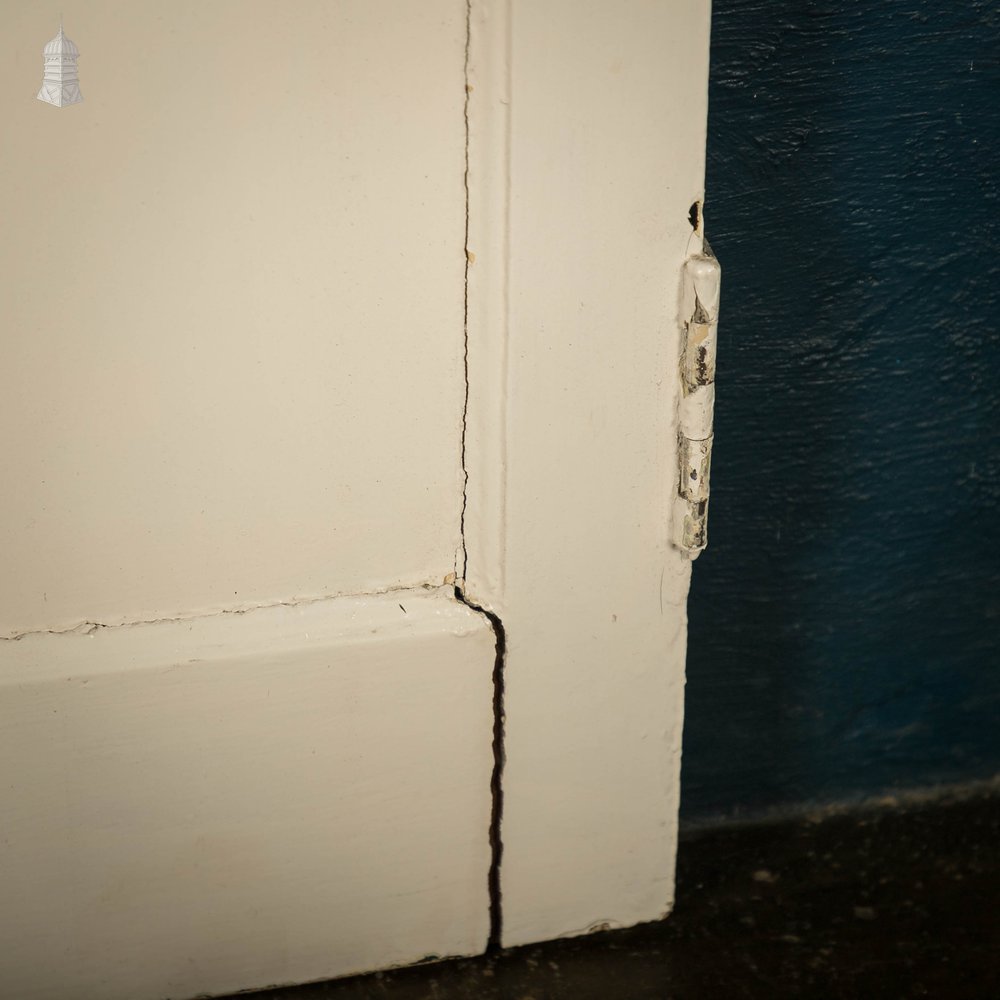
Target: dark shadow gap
[(493, 944)]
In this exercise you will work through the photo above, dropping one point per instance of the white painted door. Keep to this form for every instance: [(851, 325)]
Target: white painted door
[(312, 312), (245, 727), (587, 142)]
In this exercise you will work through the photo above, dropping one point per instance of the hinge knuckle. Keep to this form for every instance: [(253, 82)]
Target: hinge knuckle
[(700, 315)]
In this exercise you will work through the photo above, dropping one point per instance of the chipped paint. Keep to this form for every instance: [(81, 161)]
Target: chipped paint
[(700, 311)]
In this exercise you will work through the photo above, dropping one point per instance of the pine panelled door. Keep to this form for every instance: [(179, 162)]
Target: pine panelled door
[(344, 408)]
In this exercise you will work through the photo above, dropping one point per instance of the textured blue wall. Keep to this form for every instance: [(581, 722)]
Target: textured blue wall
[(845, 620)]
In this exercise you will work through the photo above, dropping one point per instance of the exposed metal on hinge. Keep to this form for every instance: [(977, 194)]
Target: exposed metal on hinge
[(700, 311)]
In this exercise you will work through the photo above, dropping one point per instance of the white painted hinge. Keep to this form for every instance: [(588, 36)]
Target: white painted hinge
[(700, 315)]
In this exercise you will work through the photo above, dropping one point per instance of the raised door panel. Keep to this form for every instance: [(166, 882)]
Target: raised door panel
[(232, 296), (237, 801)]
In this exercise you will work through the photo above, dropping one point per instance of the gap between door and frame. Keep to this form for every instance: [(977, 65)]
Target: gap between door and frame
[(493, 943)]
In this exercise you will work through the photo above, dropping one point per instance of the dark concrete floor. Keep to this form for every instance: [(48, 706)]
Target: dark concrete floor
[(892, 903)]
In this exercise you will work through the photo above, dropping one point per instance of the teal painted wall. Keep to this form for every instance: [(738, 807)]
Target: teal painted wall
[(845, 620)]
